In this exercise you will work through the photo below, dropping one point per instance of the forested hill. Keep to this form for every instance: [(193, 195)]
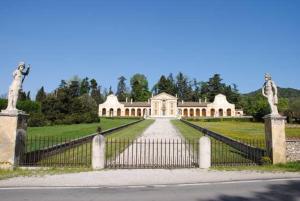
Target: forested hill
[(289, 93)]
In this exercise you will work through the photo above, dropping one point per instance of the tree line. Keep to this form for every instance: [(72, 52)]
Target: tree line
[(76, 100)]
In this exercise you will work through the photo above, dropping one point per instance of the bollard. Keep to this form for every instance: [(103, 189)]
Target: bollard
[(204, 152), (98, 152)]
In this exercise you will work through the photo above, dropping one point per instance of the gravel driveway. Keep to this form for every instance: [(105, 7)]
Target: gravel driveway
[(161, 145)]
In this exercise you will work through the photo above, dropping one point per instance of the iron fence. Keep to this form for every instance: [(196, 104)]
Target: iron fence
[(55, 151), (249, 152), (151, 153)]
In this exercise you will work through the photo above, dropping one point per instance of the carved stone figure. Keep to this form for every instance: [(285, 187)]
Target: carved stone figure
[(18, 78), (269, 91)]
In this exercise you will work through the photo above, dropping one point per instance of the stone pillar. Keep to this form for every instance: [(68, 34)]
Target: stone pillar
[(98, 152), (204, 152), (275, 138), (13, 129)]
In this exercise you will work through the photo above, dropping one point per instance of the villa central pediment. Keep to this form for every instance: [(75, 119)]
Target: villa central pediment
[(164, 96)]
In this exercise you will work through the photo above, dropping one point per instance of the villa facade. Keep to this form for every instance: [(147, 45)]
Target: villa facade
[(166, 105)]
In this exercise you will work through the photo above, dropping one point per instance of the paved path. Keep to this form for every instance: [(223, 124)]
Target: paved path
[(161, 129), (142, 177), (161, 145)]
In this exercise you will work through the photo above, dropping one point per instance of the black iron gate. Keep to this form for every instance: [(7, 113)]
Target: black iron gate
[(151, 153)]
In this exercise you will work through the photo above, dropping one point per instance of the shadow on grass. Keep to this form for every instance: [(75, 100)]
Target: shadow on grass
[(275, 192)]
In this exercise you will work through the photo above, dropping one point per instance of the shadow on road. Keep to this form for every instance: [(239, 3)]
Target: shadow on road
[(277, 192)]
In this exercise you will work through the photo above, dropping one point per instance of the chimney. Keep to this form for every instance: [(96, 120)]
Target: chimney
[(182, 101), (126, 99), (205, 100), (152, 95), (199, 100), (176, 96), (148, 100), (131, 101)]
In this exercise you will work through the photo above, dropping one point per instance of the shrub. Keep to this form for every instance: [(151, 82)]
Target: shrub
[(37, 120), (266, 160), (3, 104), (220, 119)]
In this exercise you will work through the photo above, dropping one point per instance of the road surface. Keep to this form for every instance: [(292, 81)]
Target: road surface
[(267, 190)]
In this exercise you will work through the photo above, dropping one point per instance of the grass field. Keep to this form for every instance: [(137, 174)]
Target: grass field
[(76, 130), (243, 130), (81, 155), (222, 154)]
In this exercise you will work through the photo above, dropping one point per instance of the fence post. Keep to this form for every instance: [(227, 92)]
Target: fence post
[(204, 152), (98, 152)]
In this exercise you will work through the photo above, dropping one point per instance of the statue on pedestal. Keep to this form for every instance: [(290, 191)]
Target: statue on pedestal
[(269, 90), (18, 78)]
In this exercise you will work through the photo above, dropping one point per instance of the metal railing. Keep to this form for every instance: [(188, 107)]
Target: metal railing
[(151, 153), (252, 150), (60, 151), (223, 154), (43, 152)]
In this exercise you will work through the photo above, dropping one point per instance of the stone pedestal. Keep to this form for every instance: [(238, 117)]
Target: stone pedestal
[(275, 138), (204, 152), (13, 128), (98, 152)]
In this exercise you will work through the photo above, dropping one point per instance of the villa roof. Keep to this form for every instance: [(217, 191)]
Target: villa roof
[(136, 104), (192, 104)]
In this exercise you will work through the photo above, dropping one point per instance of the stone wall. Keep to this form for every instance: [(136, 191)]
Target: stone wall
[(293, 150)]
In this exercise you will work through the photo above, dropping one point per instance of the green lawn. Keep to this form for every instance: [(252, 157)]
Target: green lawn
[(288, 167), (76, 130), (81, 155), (222, 154), (5, 174), (242, 130)]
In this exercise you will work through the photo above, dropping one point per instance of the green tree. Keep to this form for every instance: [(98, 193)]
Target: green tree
[(96, 91), (41, 95), (164, 85), (214, 87), (85, 86), (197, 90), (122, 89), (110, 91), (139, 88), (74, 88), (22, 96), (183, 87)]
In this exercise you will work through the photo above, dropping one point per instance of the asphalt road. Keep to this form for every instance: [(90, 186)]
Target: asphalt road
[(275, 190)]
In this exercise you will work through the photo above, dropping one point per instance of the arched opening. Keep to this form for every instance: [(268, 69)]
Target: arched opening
[(111, 112), (139, 112), (221, 113), (228, 112), (197, 112), (127, 112), (149, 112), (191, 112), (133, 112), (185, 112), (204, 112), (212, 112), (103, 112), (119, 112)]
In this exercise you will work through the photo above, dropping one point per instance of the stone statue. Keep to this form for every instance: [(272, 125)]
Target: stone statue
[(18, 78), (269, 91)]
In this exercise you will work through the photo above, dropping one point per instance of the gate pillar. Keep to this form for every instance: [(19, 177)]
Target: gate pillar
[(13, 127), (204, 152), (98, 152)]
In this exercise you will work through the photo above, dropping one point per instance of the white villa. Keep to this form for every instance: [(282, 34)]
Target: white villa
[(166, 105)]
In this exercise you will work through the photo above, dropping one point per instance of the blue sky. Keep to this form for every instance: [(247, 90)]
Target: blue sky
[(239, 39)]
